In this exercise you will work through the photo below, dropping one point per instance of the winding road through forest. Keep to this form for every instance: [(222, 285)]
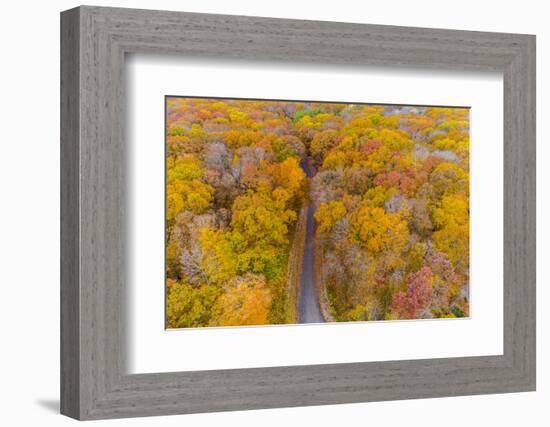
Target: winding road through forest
[(309, 310)]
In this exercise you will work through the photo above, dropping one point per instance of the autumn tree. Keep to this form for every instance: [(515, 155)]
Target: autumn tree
[(189, 306), (329, 214), (246, 301), (391, 193), (412, 303)]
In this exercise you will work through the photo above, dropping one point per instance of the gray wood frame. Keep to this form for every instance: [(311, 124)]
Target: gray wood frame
[(94, 382)]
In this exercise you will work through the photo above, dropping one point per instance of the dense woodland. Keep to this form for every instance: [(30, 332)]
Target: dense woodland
[(391, 194)]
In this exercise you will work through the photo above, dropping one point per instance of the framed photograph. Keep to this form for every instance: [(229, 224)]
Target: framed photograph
[(261, 213)]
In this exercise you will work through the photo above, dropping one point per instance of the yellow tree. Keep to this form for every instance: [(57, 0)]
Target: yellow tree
[(378, 231), (329, 214), (188, 306), (218, 261), (322, 142), (289, 175), (452, 237), (246, 301), (184, 187)]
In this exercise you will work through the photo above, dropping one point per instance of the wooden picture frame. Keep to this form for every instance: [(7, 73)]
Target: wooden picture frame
[(94, 382)]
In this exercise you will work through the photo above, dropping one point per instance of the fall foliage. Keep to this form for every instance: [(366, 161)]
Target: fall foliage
[(391, 199)]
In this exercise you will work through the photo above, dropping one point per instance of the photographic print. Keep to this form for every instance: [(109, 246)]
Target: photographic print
[(286, 212)]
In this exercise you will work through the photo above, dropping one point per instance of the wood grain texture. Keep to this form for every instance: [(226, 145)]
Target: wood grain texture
[(70, 297), (94, 382)]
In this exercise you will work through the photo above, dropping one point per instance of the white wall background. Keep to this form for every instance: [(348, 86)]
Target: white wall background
[(29, 213)]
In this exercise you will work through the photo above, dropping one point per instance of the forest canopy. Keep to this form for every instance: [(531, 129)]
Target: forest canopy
[(389, 190)]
